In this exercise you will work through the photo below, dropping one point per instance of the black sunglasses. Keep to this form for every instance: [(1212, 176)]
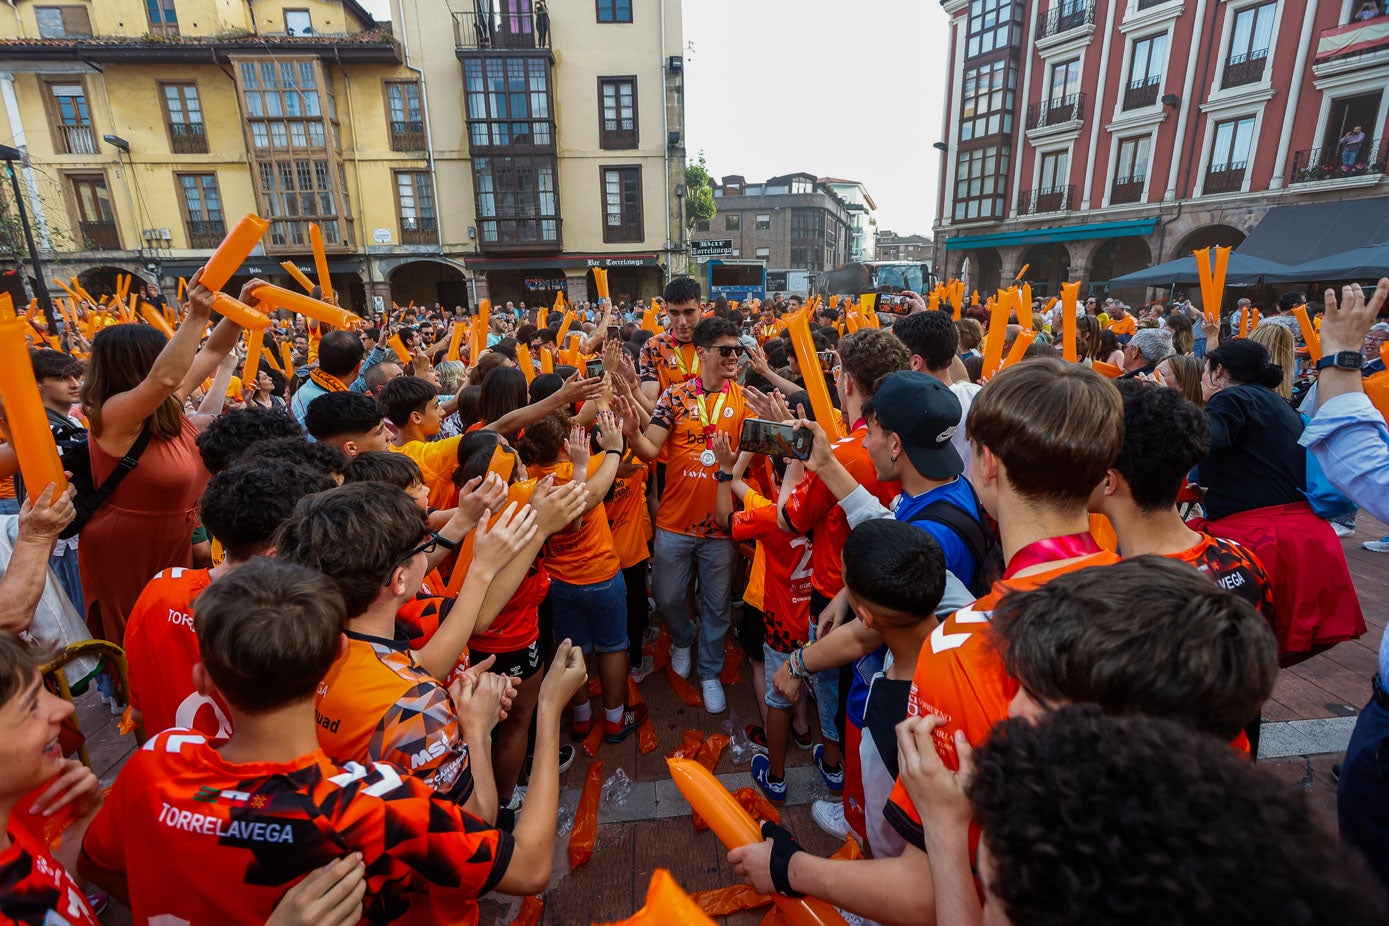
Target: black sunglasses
[(729, 350)]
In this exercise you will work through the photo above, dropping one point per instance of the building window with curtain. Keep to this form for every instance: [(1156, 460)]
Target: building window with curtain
[(406, 112), (202, 210), (96, 219), (163, 17), (989, 94), (1130, 170), (1251, 35), (414, 200), (622, 204), (617, 100), (508, 102), (1145, 71), (183, 114), (71, 120), (981, 178), (1229, 155), (991, 25)]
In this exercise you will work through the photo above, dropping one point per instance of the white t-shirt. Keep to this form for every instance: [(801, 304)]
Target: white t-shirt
[(965, 392)]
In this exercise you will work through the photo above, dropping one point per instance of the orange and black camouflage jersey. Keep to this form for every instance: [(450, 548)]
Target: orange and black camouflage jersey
[(419, 619), (1234, 568), (687, 505), (666, 361), (376, 704), (201, 840), (34, 888)]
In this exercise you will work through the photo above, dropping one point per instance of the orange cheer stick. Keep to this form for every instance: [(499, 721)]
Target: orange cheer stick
[(1020, 275), (668, 905), (287, 358), (239, 312), (1310, 337), (735, 827), (523, 360), (547, 360), (255, 343), (269, 357), (6, 307), (235, 247), (600, 282), (396, 344), (157, 321), (281, 298), (998, 330), (320, 261), (1070, 297), (564, 329), (1020, 345), (455, 340), (300, 277), (502, 463), (27, 419), (798, 325)]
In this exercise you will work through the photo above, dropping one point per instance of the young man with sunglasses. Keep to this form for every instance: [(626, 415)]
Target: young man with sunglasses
[(688, 535)]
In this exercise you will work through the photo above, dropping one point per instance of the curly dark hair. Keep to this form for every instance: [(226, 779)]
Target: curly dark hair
[(325, 458), (245, 504), (711, 329), (1150, 635), (229, 435), (1165, 435), (869, 354), (682, 289), (544, 440), (1103, 820)]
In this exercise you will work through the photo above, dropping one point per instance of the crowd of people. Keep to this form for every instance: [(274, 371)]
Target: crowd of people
[(1024, 623)]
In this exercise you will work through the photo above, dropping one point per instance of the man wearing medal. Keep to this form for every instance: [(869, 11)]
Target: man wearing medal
[(688, 540), (671, 358)]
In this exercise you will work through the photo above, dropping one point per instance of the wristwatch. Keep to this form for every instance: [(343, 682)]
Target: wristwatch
[(721, 476), (1342, 360)]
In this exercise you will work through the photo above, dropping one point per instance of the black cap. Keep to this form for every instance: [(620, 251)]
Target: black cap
[(924, 414)]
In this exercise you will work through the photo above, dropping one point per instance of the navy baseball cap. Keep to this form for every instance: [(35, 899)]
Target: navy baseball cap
[(924, 414)]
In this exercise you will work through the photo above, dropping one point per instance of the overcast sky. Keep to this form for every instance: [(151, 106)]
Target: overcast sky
[(833, 88)]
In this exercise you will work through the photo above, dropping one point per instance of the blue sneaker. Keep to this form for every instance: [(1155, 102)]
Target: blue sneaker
[(762, 774), (833, 780)]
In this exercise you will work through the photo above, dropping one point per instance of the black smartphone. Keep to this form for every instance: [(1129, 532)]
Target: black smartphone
[(775, 438), (614, 333), (594, 368), (890, 304)]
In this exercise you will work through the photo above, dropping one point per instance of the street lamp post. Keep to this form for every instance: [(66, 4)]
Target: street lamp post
[(10, 155)]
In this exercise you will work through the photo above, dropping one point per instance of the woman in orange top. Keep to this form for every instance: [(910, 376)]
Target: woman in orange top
[(587, 590)]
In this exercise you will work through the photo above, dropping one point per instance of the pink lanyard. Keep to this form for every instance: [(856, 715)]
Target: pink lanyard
[(1051, 550)]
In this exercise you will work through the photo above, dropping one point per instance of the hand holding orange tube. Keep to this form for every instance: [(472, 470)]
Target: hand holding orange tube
[(27, 420), (798, 325), (1310, 337)]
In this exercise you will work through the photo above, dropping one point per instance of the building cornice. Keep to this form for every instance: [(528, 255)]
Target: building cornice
[(1160, 15), (1145, 118), (1065, 43), (1239, 98)]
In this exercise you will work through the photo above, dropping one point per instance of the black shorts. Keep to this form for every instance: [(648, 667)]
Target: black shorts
[(520, 664)]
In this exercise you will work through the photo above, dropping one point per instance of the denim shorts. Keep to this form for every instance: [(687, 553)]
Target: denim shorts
[(771, 661), (593, 617)]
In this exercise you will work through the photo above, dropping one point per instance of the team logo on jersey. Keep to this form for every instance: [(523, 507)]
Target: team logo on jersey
[(208, 795)]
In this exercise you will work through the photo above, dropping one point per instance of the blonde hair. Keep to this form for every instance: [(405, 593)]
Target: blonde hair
[(1188, 371), (1279, 341)]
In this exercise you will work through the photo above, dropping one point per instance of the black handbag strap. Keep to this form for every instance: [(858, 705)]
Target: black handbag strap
[(127, 463)]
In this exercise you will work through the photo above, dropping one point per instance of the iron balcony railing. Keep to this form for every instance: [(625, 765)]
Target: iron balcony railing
[(100, 236), (505, 31), (1245, 68), (1064, 17), (1056, 112), (1141, 93), (1225, 178), (407, 136), (1336, 162), (1126, 190), (419, 230), (206, 233), (1050, 199), (188, 138)]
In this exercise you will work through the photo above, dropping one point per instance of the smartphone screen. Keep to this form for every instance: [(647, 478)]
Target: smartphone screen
[(594, 368), (614, 333), (775, 438)]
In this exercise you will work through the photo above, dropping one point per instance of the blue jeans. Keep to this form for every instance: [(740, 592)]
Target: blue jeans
[(9, 506), (1349, 156), (593, 617), (825, 683), (1362, 797), (69, 577), (675, 559)]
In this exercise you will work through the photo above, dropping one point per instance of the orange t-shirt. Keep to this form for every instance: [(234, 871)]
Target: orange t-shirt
[(437, 460), (687, 506), (582, 555), (1235, 569), (812, 509), (203, 840), (630, 518), (375, 704), (960, 677), (667, 362), (1125, 325), (786, 580), (161, 650), (517, 626)]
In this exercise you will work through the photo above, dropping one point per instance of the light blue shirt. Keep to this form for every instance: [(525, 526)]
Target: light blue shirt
[(379, 354), (1349, 440)]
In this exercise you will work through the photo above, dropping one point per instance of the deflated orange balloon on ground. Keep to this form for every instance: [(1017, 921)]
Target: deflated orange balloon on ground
[(666, 905)]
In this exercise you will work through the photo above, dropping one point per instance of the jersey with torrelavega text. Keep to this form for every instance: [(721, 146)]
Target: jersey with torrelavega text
[(205, 841)]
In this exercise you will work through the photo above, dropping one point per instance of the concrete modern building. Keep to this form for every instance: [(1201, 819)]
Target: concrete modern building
[(863, 230), (500, 150), (794, 222), (892, 246), (1091, 138)]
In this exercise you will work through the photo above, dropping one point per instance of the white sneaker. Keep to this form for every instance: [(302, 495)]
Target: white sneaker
[(714, 701), (680, 660), (1342, 530), (829, 816), (639, 673), (1377, 546)]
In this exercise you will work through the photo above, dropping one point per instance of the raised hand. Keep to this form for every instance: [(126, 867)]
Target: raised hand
[(497, 544)]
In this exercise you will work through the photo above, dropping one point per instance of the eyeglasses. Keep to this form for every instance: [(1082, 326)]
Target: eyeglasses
[(429, 546), (729, 350)]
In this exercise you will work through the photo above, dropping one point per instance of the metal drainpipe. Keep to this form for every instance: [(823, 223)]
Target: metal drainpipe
[(356, 164)]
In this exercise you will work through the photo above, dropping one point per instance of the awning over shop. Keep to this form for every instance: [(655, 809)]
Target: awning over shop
[(1368, 263), (1298, 234), (263, 266), (587, 261), (1044, 235)]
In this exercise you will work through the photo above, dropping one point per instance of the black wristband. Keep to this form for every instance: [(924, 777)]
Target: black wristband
[(444, 542), (784, 846)]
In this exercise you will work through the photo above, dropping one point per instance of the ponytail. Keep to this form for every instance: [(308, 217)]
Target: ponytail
[(1246, 362), (1271, 376)]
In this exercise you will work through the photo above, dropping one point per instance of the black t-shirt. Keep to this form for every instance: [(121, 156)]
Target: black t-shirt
[(1255, 459)]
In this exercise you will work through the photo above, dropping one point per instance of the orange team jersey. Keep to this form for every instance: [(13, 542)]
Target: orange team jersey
[(233, 387), (161, 650), (812, 509), (665, 361), (203, 840), (437, 460), (630, 518), (960, 677), (517, 626), (34, 887), (1125, 325), (1233, 568), (582, 555), (687, 506), (786, 580), (419, 619), (377, 705)]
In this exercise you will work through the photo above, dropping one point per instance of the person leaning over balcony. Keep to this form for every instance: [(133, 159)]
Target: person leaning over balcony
[(1369, 9)]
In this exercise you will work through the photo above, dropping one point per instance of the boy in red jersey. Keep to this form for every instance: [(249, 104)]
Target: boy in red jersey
[(786, 599), (242, 507), (203, 834), (1044, 434)]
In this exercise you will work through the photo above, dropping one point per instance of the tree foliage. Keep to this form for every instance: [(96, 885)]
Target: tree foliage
[(699, 193)]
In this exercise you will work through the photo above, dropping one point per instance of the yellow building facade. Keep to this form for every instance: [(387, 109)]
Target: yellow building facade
[(447, 156)]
